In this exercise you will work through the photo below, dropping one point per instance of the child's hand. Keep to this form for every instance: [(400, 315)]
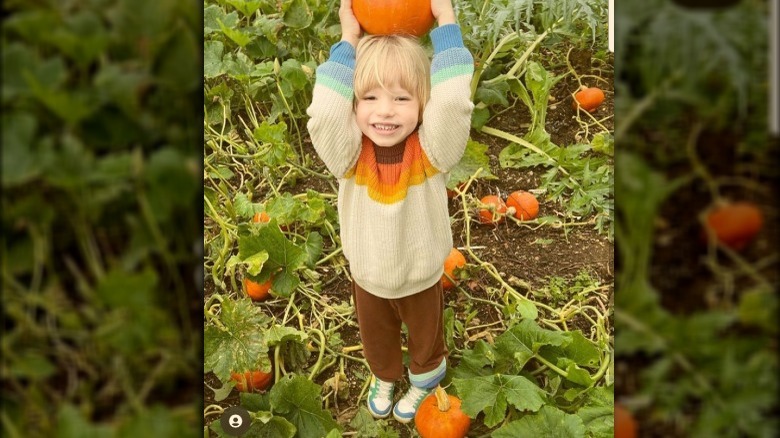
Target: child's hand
[(350, 28), (443, 12)]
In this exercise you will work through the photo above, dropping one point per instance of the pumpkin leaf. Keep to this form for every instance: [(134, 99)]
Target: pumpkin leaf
[(298, 15), (298, 400), (598, 413), (494, 393), (549, 421), (580, 350), (284, 257), (233, 343), (523, 341), (474, 158), (476, 362)]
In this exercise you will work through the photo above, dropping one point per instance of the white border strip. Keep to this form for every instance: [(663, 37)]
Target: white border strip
[(774, 69), (611, 26)]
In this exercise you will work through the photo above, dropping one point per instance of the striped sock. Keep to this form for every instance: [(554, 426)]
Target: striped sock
[(431, 378)]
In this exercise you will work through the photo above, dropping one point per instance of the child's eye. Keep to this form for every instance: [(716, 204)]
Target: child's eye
[(403, 98), (369, 97)]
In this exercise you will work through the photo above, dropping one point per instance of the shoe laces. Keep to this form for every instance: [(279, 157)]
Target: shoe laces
[(415, 395), (383, 389)]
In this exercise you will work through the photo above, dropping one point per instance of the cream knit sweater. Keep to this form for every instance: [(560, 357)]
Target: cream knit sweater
[(395, 235)]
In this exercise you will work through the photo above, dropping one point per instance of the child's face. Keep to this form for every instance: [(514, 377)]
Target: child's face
[(387, 116)]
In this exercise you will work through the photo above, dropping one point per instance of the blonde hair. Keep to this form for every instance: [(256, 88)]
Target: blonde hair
[(382, 60)]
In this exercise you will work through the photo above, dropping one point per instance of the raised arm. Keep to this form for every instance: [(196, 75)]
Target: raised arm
[(334, 133), (447, 116)]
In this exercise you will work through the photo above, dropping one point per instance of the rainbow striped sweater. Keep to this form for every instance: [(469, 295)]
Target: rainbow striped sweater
[(395, 226)]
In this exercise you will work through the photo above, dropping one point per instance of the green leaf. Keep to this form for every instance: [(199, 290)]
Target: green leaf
[(298, 400), (479, 117), (279, 334), (293, 75), (235, 345), (135, 320), (758, 307), (254, 263), (574, 373), (20, 62), (243, 206), (364, 424), (493, 393), (82, 38), (237, 35), (313, 248), (580, 350), (31, 365), (284, 257), (71, 105), (254, 402), (157, 421), (20, 163), (247, 8), (603, 143), (271, 133), (212, 59), (476, 362), (493, 94), (297, 14), (525, 339), (276, 427), (212, 15), (72, 424), (598, 413), (474, 158), (548, 422)]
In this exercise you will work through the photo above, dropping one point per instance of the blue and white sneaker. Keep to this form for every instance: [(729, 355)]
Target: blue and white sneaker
[(380, 397), (405, 409)]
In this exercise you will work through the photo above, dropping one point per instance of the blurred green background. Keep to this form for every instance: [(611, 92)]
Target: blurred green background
[(101, 153), (696, 322)]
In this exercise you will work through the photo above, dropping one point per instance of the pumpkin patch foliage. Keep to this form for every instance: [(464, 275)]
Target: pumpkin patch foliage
[(521, 357)]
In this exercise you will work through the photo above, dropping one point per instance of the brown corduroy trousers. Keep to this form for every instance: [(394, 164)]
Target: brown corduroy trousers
[(380, 321)]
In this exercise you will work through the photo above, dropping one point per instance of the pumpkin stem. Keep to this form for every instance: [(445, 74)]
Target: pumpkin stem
[(442, 399)]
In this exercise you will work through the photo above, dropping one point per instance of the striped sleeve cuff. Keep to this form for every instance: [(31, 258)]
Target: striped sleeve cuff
[(446, 37), (343, 53)]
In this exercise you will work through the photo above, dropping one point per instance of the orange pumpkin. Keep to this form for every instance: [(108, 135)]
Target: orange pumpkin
[(734, 224), (588, 98), (625, 424), (439, 416), (525, 205), (388, 17), (257, 291), (261, 217), (453, 261), (251, 380), (494, 211)]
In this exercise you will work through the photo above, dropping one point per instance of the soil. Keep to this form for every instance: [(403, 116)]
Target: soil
[(532, 255)]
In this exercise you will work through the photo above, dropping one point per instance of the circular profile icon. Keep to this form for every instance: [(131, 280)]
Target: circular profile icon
[(235, 421)]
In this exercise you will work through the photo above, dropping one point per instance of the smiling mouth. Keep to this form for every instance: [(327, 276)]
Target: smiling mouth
[(384, 127)]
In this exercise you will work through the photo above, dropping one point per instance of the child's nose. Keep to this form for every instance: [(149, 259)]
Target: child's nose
[(386, 108)]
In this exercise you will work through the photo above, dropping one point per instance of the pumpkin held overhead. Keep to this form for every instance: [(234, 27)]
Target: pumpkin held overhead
[(387, 17)]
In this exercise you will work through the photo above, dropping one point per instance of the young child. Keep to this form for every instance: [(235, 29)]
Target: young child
[(390, 124)]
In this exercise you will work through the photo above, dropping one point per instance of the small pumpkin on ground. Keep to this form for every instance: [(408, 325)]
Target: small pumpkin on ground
[(625, 424), (522, 205), (257, 291), (734, 224), (588, 98), (251, 381), (454, 261), (494, 210), (439, 416)]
